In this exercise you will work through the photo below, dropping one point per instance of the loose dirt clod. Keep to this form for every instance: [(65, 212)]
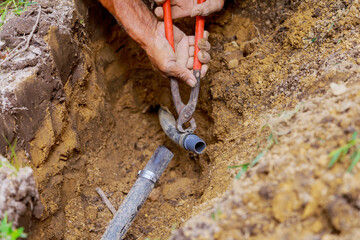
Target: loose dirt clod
[(19, 197)]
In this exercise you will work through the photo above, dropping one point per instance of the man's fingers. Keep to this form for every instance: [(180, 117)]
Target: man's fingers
[(160, 2), (190, 63), (203, 56), (192, 40), (206, 8), (206, 35), (182, 73), (176, 12), (159, 12), (203, 70), (204, 45), (191, 51)]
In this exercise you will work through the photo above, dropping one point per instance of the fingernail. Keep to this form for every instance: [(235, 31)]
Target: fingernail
[(158, 12), (195, 12), (201, 43)]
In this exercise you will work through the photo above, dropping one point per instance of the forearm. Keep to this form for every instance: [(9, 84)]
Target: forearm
[(134, 16)]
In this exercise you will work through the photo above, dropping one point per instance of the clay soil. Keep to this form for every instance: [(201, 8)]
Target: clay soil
[(268, 57)]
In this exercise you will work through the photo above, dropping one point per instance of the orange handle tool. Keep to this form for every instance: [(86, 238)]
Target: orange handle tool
[(199, 34), (185, 112), (169, 33)]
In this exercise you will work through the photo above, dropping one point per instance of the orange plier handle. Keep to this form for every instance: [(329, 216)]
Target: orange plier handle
[(185, 112)]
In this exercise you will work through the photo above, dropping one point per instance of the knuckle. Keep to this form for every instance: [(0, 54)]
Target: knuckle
[(218, 4), (206, 34), (164, 67)]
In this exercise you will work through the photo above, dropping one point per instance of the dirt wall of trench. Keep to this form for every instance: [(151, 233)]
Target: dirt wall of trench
[(102, 113)]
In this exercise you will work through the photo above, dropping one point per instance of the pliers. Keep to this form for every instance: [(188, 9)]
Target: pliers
[(185, 112)]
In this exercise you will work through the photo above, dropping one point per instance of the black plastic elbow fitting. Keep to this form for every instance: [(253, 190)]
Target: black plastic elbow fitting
[(188, 141)]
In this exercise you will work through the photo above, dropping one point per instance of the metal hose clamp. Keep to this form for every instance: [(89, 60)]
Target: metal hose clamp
[(147, 175)]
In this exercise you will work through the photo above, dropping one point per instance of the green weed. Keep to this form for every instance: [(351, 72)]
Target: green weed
[(14, 161), (274, 125), (8, 233), (9, 166), (271, 140), (216, 215), (342, 151), (16, 6)]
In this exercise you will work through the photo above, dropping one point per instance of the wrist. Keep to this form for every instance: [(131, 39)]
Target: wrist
[(149, 40), (135, 18)]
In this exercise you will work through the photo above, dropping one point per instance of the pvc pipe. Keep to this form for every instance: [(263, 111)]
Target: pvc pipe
[(188, 141), (138, 194)]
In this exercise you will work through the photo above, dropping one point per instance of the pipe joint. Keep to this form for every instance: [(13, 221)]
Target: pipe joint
[(188, 141)]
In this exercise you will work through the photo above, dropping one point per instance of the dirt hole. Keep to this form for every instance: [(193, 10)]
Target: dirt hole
[(121, 94)]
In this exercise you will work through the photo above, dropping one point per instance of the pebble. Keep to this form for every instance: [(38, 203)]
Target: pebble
[(233, 63), (155, 194), (338, 89)]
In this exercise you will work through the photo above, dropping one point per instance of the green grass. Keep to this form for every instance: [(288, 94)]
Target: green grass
[(13, 163), (339, 153), (173, 227), (7, 232), (216, 215), (271, 140), (16, 6)]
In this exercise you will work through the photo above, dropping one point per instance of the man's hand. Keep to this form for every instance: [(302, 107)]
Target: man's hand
[(185, 8), (146, 30), (177, 64)]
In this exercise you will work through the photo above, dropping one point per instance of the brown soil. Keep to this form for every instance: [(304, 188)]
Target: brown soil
[(267, 57)]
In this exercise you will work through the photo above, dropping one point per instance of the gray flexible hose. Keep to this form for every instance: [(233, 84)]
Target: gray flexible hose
[(138, 194)]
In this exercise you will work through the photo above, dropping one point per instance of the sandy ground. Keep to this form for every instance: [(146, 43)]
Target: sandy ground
[(267, 57)]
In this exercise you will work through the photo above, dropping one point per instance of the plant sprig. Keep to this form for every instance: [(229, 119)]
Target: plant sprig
[(17, 7), (14, 161), (342, 151), (271, 140), (7, 232)]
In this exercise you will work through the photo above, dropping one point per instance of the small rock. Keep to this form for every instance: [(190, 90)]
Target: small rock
[(231, 46), (338, 89), (284, 205), (317, 226), (343, 216), (310, 209), (155, 194), (232, 58), (233, 63)]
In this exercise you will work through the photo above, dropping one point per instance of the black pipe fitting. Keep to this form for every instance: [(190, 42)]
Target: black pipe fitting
[(188, 141)]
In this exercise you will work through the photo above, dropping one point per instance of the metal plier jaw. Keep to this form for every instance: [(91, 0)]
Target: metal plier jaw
[(185, 112)]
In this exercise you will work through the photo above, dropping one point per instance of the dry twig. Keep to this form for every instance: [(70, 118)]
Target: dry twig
[(106, 200), (13, 53), (258, 32)]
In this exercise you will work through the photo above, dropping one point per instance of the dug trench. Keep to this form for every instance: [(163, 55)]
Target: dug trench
[(112, 98), (101, 125)]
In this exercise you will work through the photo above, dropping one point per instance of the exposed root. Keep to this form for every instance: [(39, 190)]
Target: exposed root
[(106, 200), (14, 52)]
